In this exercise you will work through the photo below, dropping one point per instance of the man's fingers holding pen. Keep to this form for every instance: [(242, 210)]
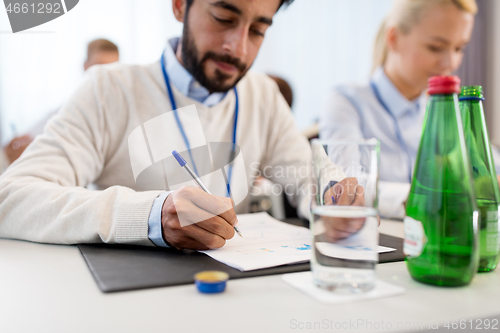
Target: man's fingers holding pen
[(180, 241), (218, 226), (209, 205), (191, 216), (195, 238), (220, 206), (345, 191)]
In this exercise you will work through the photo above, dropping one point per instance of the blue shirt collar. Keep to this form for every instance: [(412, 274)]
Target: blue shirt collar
[(184, 81), (398, 104)]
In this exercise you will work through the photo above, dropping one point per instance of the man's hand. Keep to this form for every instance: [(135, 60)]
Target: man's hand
[(16, 147), (207, 220), (345, 193)]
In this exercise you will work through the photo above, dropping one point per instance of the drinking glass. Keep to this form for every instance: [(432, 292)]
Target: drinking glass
[(344, 217)]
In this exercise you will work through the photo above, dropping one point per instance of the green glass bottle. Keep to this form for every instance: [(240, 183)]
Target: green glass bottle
[(484, 174), (441, 226)]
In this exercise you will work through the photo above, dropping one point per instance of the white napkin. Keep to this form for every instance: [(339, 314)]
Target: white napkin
[(303, 281)]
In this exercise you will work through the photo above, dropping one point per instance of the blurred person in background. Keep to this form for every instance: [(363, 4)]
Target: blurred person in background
[(284, 88), (99, 52), (419, 39)]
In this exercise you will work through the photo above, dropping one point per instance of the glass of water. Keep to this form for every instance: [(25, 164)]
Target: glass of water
[(344, 215)]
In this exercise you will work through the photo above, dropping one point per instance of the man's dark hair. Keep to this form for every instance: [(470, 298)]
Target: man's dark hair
[(283, 2)]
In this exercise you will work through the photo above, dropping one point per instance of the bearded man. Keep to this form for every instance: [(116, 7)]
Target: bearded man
[(117, 126)]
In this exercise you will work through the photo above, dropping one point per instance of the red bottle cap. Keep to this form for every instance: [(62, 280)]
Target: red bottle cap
[(443, 85)]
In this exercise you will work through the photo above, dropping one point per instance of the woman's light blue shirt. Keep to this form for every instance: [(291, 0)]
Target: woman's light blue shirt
[(356, 113)]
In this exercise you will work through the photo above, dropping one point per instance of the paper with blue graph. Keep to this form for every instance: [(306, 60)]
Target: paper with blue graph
[(266, 243)]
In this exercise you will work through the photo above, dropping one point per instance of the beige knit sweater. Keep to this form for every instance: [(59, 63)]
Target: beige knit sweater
[(43, 195)]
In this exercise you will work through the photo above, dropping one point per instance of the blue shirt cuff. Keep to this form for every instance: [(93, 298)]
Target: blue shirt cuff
[(155, 232), (331, 184)]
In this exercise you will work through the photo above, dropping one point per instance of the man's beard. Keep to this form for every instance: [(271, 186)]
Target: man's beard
[(197, 68)]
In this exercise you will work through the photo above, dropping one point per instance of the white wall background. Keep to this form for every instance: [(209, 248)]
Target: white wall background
[(493, 37), (314, 44)]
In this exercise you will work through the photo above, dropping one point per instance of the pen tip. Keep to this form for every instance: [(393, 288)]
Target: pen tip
[(238, 231)]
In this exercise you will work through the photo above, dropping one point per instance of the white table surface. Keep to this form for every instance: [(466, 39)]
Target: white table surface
[(48, 288)]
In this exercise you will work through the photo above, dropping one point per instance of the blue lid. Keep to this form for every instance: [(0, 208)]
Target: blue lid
[(179, 158), (211, 282)]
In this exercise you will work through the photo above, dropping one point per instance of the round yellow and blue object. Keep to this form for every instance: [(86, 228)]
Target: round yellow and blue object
[(211, 282)]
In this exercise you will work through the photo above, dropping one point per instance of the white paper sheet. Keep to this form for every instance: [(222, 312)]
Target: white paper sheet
[(266, 243), (350, 252)]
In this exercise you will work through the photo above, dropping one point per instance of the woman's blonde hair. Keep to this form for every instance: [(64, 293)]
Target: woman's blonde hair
[(404, 15)]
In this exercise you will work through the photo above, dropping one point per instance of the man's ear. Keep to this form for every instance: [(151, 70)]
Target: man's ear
[(391, 38), (179, 9)]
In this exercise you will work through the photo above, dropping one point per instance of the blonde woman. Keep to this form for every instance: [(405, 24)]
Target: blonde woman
[(419, 39)]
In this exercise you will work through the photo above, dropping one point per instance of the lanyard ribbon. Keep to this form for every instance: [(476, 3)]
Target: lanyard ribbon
[(183, 133)]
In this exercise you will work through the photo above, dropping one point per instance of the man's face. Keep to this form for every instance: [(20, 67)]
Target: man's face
[(221, 39)]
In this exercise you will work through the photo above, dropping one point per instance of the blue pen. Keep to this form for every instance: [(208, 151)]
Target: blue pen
[(182, 162)]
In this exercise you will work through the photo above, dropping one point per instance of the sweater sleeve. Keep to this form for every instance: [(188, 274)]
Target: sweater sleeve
[(43, 196), (4, 160), (288, 155)]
